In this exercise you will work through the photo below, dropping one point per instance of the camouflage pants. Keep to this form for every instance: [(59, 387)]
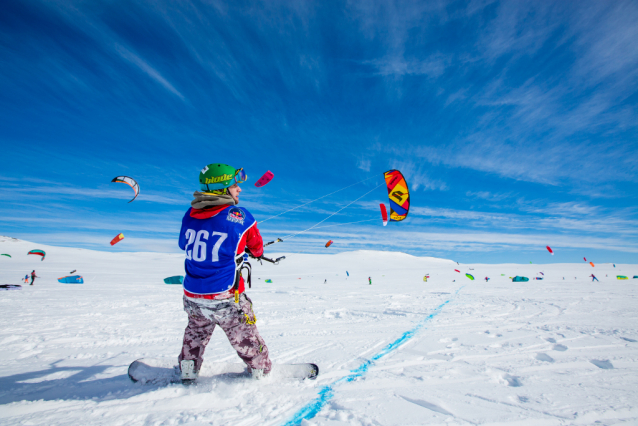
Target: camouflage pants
[(235, 320)]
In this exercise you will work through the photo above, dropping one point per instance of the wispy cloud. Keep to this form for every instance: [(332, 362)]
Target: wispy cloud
[(147, 69), (416, 175)]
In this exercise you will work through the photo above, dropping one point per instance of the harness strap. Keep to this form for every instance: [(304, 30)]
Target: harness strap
[(241, 264)]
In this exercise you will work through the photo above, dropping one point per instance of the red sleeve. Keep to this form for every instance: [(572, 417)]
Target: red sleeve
[(252, 239)]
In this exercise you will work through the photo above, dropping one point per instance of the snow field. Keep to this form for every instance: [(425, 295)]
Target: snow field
[(550, 352)]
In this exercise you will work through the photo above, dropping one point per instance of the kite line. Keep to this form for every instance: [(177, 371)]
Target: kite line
[(316, 199), (319, 223)]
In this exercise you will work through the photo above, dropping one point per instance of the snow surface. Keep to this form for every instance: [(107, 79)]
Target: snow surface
[(550, 352)]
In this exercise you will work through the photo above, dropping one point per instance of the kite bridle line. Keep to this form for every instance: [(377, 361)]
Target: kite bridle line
[(287, 237)]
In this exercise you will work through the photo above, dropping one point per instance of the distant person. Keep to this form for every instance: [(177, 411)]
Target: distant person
[(593, 277), (325, 281), (33, 277), (370, 280), (26, 278), (487, 279)]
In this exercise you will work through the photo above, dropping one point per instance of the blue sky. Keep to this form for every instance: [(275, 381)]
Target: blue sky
[(515, 123)]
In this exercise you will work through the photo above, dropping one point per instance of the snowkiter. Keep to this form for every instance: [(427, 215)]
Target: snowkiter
[(370, 280), (593, 277), (215, 233), (33, 276)]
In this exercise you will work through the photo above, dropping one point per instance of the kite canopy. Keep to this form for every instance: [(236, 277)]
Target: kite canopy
[(621, 277), (470, 276), (10, 287), (177, 279), (117, 239), (39, 253), (457, 271), (398, 194), (384, 214), (268, 281), (267, 177), (71, 279), (130, 182), (518, 279), (549, 249), (8, 255), (329, 243), (592, 264)]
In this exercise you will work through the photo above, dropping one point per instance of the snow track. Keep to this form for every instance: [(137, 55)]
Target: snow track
[(548, 352)]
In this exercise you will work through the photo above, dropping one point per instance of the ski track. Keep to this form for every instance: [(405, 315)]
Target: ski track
[(548, 352)]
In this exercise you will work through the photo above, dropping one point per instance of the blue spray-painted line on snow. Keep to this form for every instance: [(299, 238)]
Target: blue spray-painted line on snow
[(326, 393)]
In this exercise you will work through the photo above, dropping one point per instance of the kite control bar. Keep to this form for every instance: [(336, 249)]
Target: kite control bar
[(278, 240), (267, 259), (273, 261)]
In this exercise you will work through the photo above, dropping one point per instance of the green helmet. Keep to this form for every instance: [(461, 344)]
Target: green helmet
[(218, 176)]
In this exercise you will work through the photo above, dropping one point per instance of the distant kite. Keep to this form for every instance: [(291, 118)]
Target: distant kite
[(267, 177), (130, 182), (8, 255), (72, 279), (177, 279), (457, 271), (39, 253), (470, 276), (384, 214), (549, 249), (585, 259), (592, 264), (117, 239), (329, 243)]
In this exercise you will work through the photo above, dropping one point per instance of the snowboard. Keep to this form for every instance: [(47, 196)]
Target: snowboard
[(164, 371)]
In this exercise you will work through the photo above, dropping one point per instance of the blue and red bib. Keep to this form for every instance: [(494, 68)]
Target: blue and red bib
[(211, 247)]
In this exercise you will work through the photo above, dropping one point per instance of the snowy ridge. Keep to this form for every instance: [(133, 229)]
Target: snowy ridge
[(542, 352)]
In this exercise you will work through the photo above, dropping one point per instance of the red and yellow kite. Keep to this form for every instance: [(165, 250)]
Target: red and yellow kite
[(398, 194)]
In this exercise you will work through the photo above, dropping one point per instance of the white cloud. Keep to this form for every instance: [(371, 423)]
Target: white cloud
[(147, 69), (364, 164)]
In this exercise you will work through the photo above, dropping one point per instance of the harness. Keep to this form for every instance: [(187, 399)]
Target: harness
[(240, 265)]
